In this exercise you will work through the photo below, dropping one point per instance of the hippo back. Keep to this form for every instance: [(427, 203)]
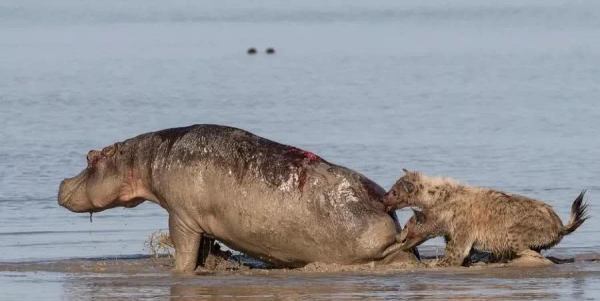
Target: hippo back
[(300, 207)]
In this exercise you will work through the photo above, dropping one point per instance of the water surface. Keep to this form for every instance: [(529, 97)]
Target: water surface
[(495, 94)]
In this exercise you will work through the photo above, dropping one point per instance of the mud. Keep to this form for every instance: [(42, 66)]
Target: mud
[(226, 263), (150, 278)]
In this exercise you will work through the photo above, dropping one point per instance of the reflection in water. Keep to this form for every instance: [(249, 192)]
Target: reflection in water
[(577, 291), (564, 282)]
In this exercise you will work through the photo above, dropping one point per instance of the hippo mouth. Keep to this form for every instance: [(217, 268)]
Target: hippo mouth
[(65, 195), (67, 192), (72, 197)]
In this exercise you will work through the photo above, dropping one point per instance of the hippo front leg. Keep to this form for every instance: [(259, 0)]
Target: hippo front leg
[(187, 244)]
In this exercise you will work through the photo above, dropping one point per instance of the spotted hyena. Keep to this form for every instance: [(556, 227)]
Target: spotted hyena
[(507, 225)]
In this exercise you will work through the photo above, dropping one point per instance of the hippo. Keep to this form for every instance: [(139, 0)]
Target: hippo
[(277, 203)]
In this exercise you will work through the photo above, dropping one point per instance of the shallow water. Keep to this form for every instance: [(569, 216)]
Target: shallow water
[(578, 281), (495, 94)]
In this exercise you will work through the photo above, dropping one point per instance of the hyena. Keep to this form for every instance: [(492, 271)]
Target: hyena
[(507, 225)]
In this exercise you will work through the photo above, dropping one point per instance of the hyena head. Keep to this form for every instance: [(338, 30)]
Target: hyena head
[(406, 192), (417, 190), (417, 230)]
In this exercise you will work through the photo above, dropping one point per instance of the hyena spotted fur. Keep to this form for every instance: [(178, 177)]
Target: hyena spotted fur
[(507, 225)]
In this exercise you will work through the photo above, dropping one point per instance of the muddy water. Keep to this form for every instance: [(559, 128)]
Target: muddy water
[(496, 94), (148, 279)]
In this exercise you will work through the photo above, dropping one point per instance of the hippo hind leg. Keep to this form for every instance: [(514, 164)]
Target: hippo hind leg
[(396, 254), (385, 249)]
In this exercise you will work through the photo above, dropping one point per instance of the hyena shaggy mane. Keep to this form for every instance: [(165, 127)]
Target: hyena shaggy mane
[(506, 225)]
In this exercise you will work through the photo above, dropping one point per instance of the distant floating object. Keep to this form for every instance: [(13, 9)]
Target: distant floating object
[(270, 50), (251, 50)]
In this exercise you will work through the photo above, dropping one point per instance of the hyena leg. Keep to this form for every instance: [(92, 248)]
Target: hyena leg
[(457, 249), (529, 258), (525, 255)]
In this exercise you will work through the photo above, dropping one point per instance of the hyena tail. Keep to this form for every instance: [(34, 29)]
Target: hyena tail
[(578, 215)]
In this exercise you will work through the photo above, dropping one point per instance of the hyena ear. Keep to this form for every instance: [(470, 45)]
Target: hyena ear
[(419, 216), (405, 170)]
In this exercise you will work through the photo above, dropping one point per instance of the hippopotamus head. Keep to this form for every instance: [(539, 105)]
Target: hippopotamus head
[(406, 191), (108, 181)]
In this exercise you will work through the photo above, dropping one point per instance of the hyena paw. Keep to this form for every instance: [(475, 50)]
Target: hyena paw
[(441, 263), (445, 262)]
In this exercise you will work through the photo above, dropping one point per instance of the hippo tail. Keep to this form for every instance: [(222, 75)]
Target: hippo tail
[(579, 214)]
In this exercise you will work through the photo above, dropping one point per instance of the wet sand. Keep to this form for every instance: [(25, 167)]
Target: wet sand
[(147, 278)]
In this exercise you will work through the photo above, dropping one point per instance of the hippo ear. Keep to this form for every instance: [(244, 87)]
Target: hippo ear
[(109, 151), (419, 216)]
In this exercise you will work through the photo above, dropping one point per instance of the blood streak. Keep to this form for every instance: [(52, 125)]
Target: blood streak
[(307, 157), (302, 179), (312, 157)]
